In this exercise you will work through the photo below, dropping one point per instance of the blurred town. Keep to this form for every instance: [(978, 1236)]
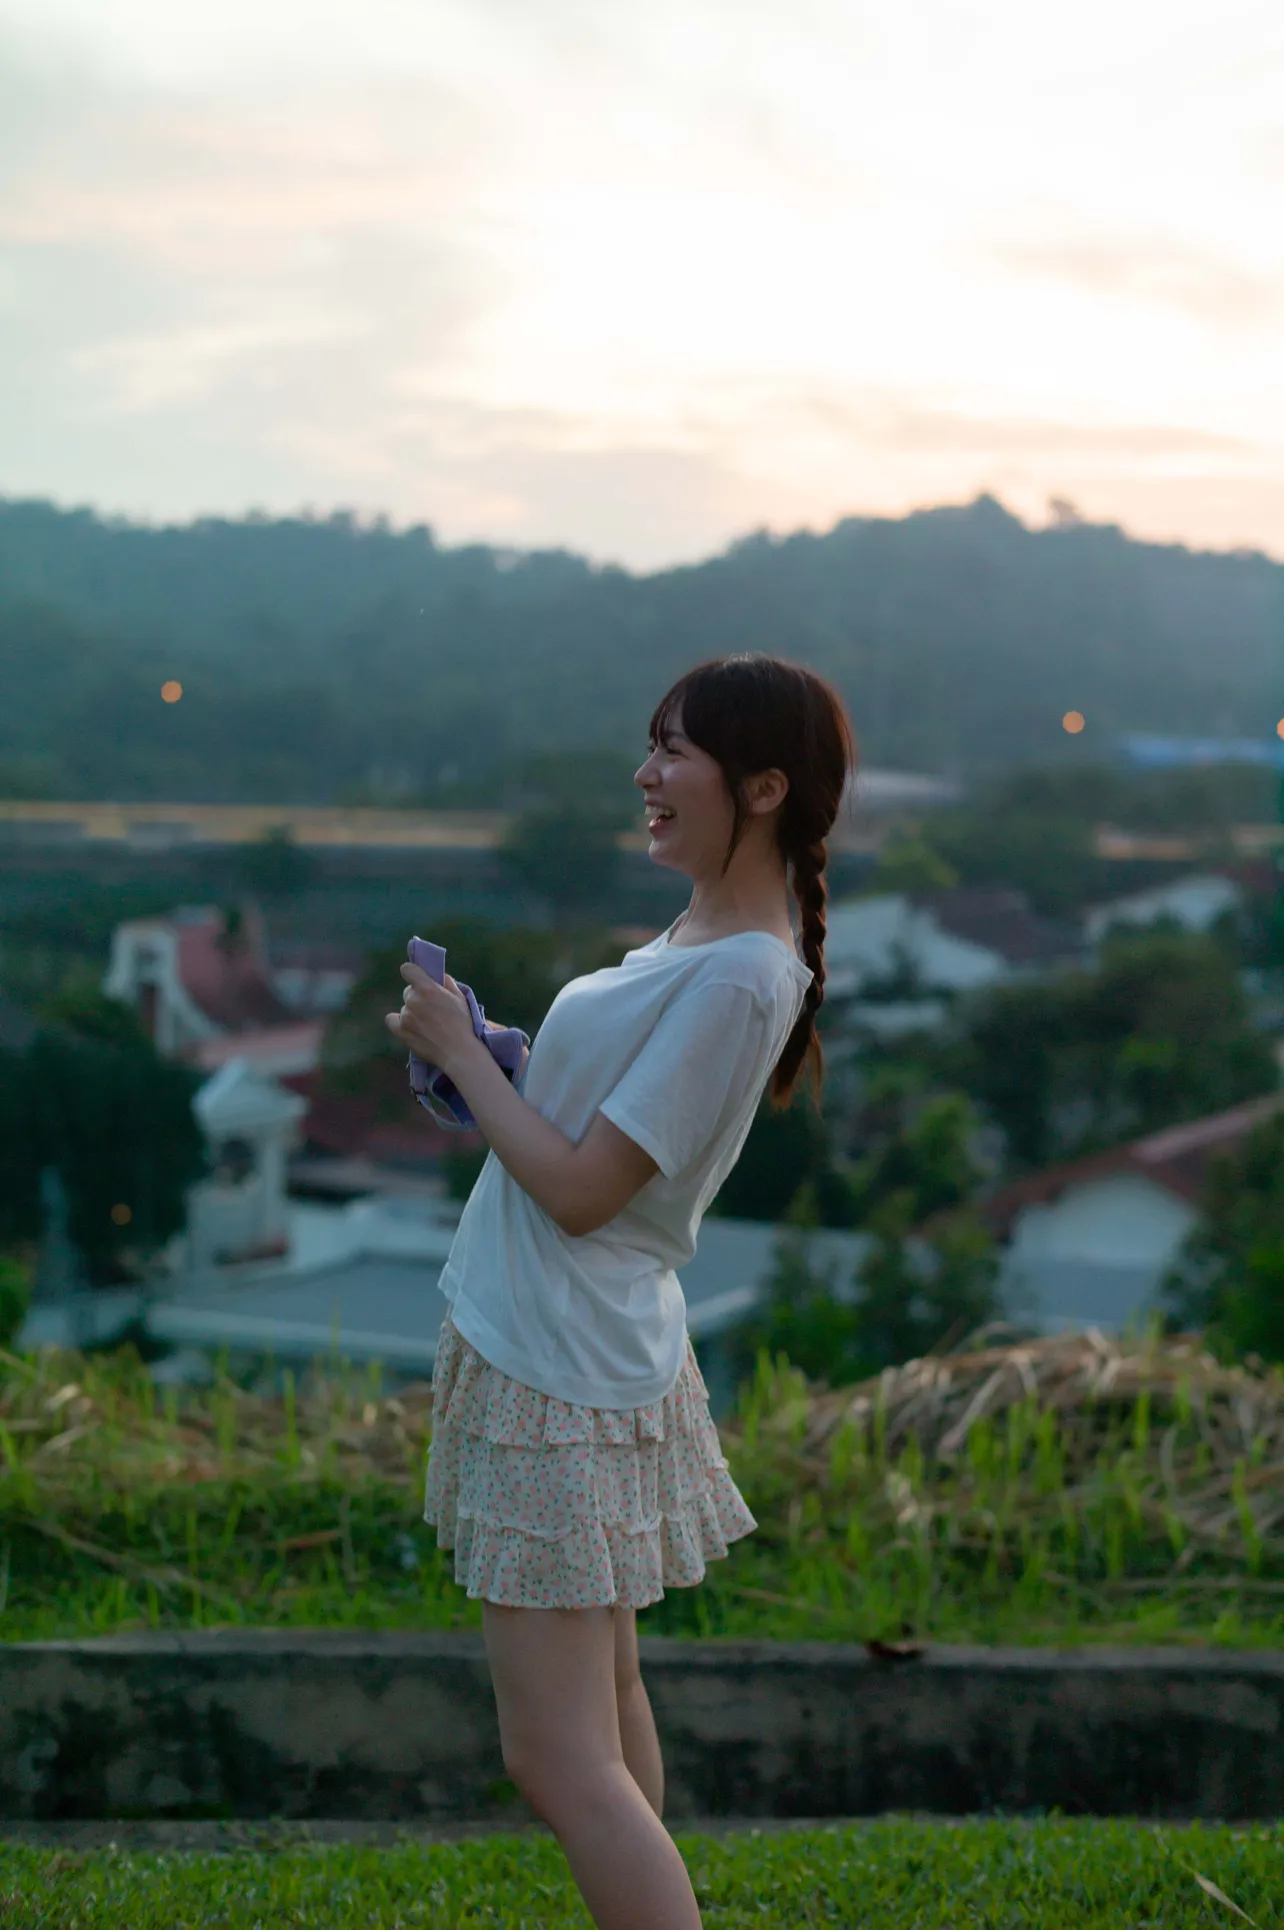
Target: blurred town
[(1053, 1024)]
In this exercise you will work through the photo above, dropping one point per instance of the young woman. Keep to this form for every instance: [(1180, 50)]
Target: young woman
[(574, 1467)]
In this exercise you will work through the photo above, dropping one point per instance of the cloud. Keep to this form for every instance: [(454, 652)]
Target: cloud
[(901, 423), (632, 279), (1164, 273)]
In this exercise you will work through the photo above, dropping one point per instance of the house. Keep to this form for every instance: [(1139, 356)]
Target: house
[(911, 945), (202, 989), (360, 1282), (313, 977), (1088, 1242), (896, 792), (211, 998), (1195, 903), (239, 1212)]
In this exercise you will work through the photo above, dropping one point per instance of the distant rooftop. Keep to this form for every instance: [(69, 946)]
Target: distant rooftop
[(1176, 1159)]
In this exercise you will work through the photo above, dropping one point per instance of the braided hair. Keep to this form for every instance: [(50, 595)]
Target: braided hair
[(753, 713)]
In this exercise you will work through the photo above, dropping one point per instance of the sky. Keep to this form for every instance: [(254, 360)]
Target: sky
[(638, 279)]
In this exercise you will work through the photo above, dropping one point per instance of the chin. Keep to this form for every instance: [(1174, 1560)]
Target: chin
[(667, 860)]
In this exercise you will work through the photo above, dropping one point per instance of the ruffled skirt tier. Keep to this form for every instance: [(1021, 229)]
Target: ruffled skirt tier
[(547, 1504)]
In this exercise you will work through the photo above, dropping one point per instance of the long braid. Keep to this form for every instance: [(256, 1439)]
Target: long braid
[(807, 863)]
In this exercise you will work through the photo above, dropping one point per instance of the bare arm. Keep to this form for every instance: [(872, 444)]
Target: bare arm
[(579, 1184)]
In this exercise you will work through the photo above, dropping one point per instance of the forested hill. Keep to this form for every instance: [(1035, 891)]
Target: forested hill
[(314, 654)]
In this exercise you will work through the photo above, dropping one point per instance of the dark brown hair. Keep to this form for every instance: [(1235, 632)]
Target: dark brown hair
[(754, 713)]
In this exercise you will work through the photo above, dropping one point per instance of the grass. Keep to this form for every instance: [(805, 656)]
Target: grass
[(1098, 1497), (893, 1874)]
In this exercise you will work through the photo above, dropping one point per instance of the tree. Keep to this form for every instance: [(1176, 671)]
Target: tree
[(906, 1300), (784, 1149), (959, 635), (921, 1148), (917, 1146), (92, 1097), (1036, 845), (21, 1156), (912, 1300), (911, 864), (1158, 1032), (1229, 1278), (15, 1293), (566, 854), (274, 866)]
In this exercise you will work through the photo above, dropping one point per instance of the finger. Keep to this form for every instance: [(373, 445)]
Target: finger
[(416, 975)]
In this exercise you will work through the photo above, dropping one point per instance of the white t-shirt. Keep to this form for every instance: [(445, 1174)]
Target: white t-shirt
[(675, 1045)]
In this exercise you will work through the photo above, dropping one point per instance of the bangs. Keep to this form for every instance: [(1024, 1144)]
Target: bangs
[(707, 697), (663, 714)]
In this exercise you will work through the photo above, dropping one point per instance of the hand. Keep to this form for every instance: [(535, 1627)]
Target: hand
[(434, 1021)]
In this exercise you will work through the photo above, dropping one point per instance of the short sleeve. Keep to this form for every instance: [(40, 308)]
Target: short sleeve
[(698, 1067)]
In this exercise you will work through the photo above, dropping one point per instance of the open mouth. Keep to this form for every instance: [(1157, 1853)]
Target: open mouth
[(658, 814)]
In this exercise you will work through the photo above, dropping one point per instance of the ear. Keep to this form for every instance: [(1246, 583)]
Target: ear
[(767, 790)]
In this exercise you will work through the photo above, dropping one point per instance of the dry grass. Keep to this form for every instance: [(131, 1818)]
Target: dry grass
[(1194, 1448), (1068, 1489)]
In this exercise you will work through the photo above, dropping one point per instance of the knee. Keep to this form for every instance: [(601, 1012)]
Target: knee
[(533, 1775), (553, 1787)]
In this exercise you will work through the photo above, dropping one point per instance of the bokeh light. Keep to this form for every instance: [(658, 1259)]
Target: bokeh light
[(171, 691), (122, 1215), (1073, 722)]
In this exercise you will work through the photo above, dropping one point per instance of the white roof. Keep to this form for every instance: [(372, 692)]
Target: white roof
[(238, 1098), (1195, 903), (865, 936)]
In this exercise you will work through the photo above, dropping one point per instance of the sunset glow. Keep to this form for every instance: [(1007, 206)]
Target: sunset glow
[(638, 280)]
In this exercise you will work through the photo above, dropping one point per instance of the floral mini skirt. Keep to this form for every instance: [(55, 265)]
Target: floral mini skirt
[(551, 1505)]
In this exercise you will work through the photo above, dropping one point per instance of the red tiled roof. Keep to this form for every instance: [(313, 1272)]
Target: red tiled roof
[(1176, 1159), (300, 1039), (232, 985)]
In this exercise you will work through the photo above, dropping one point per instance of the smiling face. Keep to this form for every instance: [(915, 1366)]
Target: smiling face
[(689, 812)]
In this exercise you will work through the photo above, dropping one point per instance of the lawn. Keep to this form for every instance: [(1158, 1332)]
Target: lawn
[(1073, 1491), (892, 1874)]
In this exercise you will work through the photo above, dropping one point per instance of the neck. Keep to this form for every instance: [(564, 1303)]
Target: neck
[(753, 896)]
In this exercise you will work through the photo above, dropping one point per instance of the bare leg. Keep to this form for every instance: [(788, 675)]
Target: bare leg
[(553, 1671), (638, 1738)]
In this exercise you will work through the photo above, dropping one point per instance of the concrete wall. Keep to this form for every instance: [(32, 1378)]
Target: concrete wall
[(266, 1723)]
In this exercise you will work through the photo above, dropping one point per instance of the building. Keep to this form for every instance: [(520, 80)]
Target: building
[(251, 1125), (202, 990), (901, 945), (1195, 903), (360, 1284), (1088, 1242)]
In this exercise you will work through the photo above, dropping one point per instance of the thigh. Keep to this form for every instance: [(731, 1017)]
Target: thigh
[(553, 1672)]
